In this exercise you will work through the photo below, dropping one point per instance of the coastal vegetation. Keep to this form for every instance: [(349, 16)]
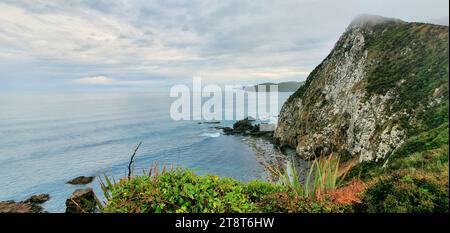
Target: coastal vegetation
[(328, 189), (179, 190)]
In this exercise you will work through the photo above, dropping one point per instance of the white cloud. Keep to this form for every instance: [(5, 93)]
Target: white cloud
[(233, 41), (102, 80), (95, 80)]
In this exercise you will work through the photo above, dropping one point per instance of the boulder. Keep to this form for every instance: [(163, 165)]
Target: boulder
[(30, 205), (38, 199), (19, 207), (82, 201), (81, 180), (243, 125), (227, 130)]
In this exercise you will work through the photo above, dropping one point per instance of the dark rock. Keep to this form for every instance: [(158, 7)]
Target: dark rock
[(246, 128), (243, 125), (218, 127), (30, 205), (38, 199), (82, 180), (209, 122), (19, 207), (227, 130), (82, 201)]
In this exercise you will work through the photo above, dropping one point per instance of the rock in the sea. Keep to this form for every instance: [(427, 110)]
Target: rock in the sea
[(38, 199), (19, 207), (209, 122), (82, 180), (244, 125), (246, 128), (81, 201), (30, 205)]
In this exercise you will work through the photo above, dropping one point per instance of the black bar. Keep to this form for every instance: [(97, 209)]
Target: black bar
[(281, 222)]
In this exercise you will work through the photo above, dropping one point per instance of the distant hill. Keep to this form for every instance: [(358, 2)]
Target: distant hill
[(291, 86)]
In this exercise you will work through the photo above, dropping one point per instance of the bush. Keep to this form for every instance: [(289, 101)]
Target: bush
[(406, 192), (293, 202), (257, 190), (271, 198), (178, 191), (182, 191)]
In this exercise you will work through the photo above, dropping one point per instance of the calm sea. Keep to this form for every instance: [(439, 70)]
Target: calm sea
[(48, 139)]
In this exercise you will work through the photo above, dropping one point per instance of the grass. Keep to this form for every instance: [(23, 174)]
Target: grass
[(324, 184), (323, 177), (326, 175)]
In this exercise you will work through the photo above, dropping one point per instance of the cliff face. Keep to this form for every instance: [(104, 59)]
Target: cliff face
[(385, 81)]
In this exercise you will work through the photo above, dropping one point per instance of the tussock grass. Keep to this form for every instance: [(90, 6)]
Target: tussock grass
[(323, 176)]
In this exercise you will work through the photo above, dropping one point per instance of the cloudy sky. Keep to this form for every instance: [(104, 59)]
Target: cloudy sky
[(88, 44)]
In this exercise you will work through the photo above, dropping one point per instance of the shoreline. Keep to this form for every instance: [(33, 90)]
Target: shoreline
[(267, 154), (265, 149), (271, 156)]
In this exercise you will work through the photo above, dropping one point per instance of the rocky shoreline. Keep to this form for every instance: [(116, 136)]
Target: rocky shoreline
[(246, 128), (267, 155), (267, 149), (81, 200), (30, 205)]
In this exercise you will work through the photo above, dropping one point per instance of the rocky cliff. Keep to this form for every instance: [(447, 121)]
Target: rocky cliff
[(385, 81)]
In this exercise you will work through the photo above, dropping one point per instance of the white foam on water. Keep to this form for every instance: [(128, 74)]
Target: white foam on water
[(210, 135)]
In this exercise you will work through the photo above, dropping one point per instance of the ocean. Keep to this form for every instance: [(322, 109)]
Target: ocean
[(49, 139)]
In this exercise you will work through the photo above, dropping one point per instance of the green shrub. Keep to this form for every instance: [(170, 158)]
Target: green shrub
[(345, 155), (293, 202), (433, 161), (182, 191), (257, 190), (178, 191), (406, 192), (365, 170)]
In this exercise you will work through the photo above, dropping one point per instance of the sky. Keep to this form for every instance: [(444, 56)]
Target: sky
[(64, 45)]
